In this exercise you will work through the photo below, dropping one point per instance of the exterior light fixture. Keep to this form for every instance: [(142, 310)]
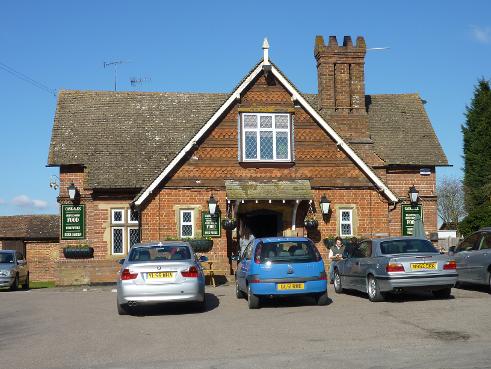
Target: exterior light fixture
[(325, 203), (413, 195), (72, 191), (212, 205)]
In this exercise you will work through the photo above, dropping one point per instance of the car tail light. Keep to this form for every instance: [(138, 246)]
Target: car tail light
[(255, 281), (323, 276), (192, 272), (257, 254), (450, 265), (394, 267), (126, 275)]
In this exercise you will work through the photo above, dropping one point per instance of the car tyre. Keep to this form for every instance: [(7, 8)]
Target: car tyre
[(25, 285), (201, 306), (123, 309), (338, 288), (238, 293), (442, 294), (322, 299), (15, 285), (373, 290), (252, 300)]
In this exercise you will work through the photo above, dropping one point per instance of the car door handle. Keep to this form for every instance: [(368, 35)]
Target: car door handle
[(357, 263)]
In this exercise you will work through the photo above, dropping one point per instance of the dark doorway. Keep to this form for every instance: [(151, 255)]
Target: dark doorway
[(262, 224)]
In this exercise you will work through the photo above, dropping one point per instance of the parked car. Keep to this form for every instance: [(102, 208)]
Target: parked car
[(280, 266), (395, 264), (13, 270), (160, 272), (473, 257)]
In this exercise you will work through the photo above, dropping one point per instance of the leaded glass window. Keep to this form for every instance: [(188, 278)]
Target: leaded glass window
[(133, 236), (124, 230), (266, 137), (118, 240), (132, 216), (346, 222), (187, 223)]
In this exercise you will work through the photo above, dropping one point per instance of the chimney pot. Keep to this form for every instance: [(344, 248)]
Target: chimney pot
[(347, 41), (333, 41)]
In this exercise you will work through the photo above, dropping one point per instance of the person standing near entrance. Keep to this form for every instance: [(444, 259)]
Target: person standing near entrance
[(335, 254), (245, 239)]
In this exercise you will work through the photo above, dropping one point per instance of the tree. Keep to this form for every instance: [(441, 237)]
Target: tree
[(450, 194), (477, 160)]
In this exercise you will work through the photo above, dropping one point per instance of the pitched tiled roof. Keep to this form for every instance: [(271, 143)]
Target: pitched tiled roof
[(126, 139), (30, 227)]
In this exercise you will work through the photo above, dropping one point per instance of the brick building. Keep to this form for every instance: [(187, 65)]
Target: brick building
[(145, 165)]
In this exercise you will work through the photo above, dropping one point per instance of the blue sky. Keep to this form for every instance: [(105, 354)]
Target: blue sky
[(437, 48)]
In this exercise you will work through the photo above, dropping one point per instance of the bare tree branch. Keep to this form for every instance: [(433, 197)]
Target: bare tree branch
[(450, 192)]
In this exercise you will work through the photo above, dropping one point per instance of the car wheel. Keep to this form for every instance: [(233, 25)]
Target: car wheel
[(238, 293), (25, 285), (201, 306), (322, 299), (252, 300), (337, 282), (489, 282), (442, 294), (374, 294), (15, 285), (123, 309)]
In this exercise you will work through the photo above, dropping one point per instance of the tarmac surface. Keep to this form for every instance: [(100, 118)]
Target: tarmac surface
[(80, 328)]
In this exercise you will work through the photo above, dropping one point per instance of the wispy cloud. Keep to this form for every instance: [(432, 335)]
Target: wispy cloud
[(2, 201), (24, 201), (481, 34)]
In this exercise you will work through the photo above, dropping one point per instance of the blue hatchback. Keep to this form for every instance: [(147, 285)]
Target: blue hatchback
[(281, 266)]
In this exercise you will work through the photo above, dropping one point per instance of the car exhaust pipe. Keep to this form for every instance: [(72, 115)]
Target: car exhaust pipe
[(132, 303)]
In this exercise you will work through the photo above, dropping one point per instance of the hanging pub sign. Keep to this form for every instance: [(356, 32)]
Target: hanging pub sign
[(72, 222), (409, 213), (210, 225)]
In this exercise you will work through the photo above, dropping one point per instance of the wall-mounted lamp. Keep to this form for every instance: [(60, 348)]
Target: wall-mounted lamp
[(413, 195), (212, 205), (325, 203), (72, 191)]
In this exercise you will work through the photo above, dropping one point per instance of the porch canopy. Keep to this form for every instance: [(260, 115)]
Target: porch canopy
[(268, 190)]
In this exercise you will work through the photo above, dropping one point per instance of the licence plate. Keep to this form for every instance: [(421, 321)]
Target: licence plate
[(290, 286), (420, 266), (160, 275)]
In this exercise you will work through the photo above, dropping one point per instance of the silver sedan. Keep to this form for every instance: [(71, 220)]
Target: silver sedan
[(395, 264), (160, 272)]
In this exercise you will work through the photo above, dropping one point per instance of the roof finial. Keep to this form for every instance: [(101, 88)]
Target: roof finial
[(265, 51)]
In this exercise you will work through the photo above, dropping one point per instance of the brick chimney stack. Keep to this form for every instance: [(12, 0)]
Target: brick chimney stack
[(341, 83)]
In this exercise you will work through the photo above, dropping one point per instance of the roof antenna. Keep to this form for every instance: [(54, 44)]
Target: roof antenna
[(134, 81), (115, 64)]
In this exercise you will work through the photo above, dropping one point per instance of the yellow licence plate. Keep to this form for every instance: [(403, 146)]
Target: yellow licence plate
[(419, 266), (160, 275), (290, 286)]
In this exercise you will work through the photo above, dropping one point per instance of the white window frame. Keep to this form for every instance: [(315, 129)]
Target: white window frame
[(258, 129), (117, 221), (112, 241), (341, 222), (181, 222), (128, 214), (128, 230)]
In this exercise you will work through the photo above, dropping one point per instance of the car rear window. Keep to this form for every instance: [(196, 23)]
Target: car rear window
[(160, 253), (409, 246), (6, 257), (287, 252)]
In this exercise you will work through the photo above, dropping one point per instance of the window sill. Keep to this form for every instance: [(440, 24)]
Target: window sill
[(267, 164)]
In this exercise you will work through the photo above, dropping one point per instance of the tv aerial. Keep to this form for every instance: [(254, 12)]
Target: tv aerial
[(115, 64), (135, 81)]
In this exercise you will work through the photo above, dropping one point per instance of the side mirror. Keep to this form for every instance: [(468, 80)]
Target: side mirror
[(451, 250), (121, 261), (202, 258), (21, 262)]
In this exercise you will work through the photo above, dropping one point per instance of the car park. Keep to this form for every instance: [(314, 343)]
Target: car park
[(280, 266), (159, 273), (473, 257), (14, 270), (395, 264)]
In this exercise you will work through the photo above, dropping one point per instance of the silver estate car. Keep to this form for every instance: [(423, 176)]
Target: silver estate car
[(395, 264), (473, 257), (13, 270), (160, 272)]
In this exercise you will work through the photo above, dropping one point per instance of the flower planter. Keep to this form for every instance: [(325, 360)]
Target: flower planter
[(203, 245), (311, 223), (78, 252), (229, 224)]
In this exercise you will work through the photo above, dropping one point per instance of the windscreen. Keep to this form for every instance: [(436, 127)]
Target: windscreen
[(287, 252), (409, 246), (6, 257), (160, 253)]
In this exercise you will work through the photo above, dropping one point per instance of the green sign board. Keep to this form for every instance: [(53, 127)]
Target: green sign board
[(72, 222), (408, 214), (210, 225)]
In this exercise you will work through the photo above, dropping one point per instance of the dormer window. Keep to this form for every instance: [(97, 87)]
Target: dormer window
[(266, 137)]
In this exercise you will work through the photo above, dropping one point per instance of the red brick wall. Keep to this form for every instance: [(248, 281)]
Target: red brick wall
[(42, 258)]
